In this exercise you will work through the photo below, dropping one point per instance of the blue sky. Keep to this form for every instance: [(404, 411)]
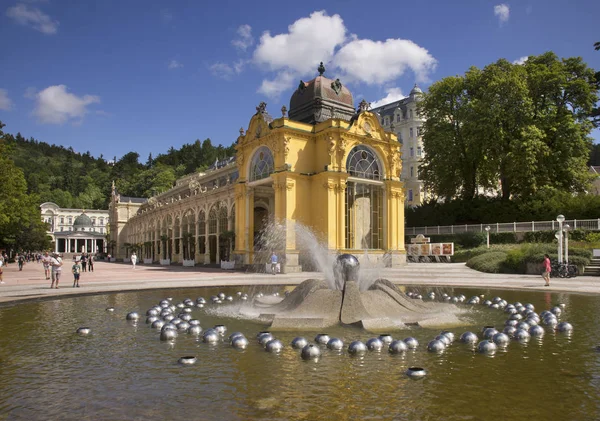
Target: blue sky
[(118, 76)]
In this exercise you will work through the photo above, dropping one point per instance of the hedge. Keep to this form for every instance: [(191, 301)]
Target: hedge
[(491, 262)]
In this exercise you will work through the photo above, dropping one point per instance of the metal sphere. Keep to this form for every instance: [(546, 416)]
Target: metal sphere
[(322, 338), (537, 331), (398, 347), (186, 317), (200, 300), (416, 372), (444, 339), (179, 306), (168, 318), (158, 324), (448, 334), (436, 346), (562, 305), (530, 306), (411, 342), (386, 338), (151, 319), (523, 325), (510, 331), (550, 322), (299, 343), (496, 300), (183, 326), (188, 302), (472, 301), (164, 304), (512, 323), (229, 298), (357, 347), (132, 316), (522, 335), (556, 311), (375, 344), (495, 306), (110, 309), (244, 297), (240, 342), (418, 297), (187, 360), (487, 347), (214, 298), (152, 312), (487, 303), (274, 346), (220, 329), (239, 293), (194, 330), (501, 339), (335, 344), (516, 317), (489, 332), (310, 352), (168, 335), (532, 322), (211, 337), (176, 321), (235, 335), (454, 300), (168, 326), (84, 331), (221, 295), (264, 338), (200, 305), (447, 299), (187, 310), (564, 327), (165, 312), (431, 295), (469, 338)]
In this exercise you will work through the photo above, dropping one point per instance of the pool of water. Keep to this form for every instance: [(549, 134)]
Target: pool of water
[(122, 371)]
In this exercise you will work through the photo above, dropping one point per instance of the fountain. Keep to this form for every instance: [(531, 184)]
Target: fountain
[(316, 304)]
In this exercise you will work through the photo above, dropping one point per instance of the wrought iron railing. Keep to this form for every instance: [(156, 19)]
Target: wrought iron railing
[(584, 224)]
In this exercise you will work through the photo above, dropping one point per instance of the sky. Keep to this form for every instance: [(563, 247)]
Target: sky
[(110, 77)]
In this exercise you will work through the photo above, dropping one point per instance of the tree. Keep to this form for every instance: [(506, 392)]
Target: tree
[(513, 128)]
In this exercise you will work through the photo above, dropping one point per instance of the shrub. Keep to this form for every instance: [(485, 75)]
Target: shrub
[(491, 262), (503, 238)]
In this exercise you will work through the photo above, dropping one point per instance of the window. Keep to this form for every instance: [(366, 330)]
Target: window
[(412, 151), (101, 230), (419, 151), (62, 220), (61, 228), (397, 118), (410, 195), (70, 220), (412, 171), (101, 221), (363, 163), (261, 165), (364, 216), (410, 113), (411, 132), (418, 131), (93, 221)]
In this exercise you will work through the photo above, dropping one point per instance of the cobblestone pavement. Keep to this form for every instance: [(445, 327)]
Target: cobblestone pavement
[(113, 277)]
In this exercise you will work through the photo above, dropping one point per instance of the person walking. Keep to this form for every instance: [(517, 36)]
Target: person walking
[(76, 269), (90, 263), (84, 259), (547, 269), (133, 259), (273, 263), (1, 264), (56, 264), (21, 261), (46, 262)]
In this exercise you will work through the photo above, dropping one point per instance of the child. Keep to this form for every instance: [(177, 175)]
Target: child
[(76, 272)]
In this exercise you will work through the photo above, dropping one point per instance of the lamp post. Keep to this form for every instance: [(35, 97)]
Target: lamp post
[(567, 228), (487, 230), (560, 219)]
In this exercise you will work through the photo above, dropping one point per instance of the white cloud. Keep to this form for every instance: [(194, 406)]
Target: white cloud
[(244, 39), (520, 60), (320, 37), (5, 103), (393, 94), (33, 17), (503, 12), (222, 70), (174, 64), (377, 62), (54, 105)]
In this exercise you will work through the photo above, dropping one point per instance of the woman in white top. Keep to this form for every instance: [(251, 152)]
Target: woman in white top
[(133, 259)]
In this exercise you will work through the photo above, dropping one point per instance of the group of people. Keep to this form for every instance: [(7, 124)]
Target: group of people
[(52, 268)]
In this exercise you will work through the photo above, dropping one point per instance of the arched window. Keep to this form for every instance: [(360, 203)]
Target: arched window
[(223, 220), (261, 165), (212, 220), (363, 163)]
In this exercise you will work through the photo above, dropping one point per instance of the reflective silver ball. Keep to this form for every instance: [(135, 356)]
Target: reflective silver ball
[(194, 330), (562, 305), (186, 317), (501, 339), (487, 347), (556, 311), (183, 326), (168, 326), (84, 331), (151, 319), (180, 305), (299, 343), (335, 344), (448, 334), (489, 333), (322, 338), (188, 302), (469, 338), (357, 347), (221, 295), (176, 321), (187, 360), (132, 316), (200, 305), (564, 327), (522, 335), (164, 303), (398, 347), (530, 306), (416, 372), (158, 324), (168, 317), (239, 293), (310, 352), (550, 322), (454, 300), (487, 303), (244, 297), (274, 346), (496, 300), (187, 310), (200, 300), (234, 335), (239, 342), (386, 338), (516, 317), (229, 298), (512, 323), (264, 338), (168, 335), (436, 346), (537, 330), (444, 339), (375, 344), (510, 331), (495, 306), (523, 325), (211, 337), (220, 329), (411, 342), (152, 312)]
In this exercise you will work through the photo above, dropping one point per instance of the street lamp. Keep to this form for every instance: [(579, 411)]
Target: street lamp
[(567, 228), (487, 230), (560, 219)]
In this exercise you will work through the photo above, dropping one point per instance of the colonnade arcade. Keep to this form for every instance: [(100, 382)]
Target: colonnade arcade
[(201, 233)]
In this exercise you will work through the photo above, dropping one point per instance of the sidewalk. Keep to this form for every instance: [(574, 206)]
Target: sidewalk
[(114, 277)]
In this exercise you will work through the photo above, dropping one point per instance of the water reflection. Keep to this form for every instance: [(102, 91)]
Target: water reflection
[(123, 371)]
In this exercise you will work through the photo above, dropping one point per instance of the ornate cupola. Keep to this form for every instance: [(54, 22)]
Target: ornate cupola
[(321, 99)]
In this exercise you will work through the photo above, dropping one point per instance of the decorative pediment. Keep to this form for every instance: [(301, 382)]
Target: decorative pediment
[(367, 124)]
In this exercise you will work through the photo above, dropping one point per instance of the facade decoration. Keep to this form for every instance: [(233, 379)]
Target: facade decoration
[(332, 174)]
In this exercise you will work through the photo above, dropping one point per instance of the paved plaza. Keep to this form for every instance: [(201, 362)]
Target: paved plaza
[(113, 277)]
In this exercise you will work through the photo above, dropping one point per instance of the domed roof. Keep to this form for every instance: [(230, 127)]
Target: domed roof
[(321, 99), (416, 90), (82, 221)]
